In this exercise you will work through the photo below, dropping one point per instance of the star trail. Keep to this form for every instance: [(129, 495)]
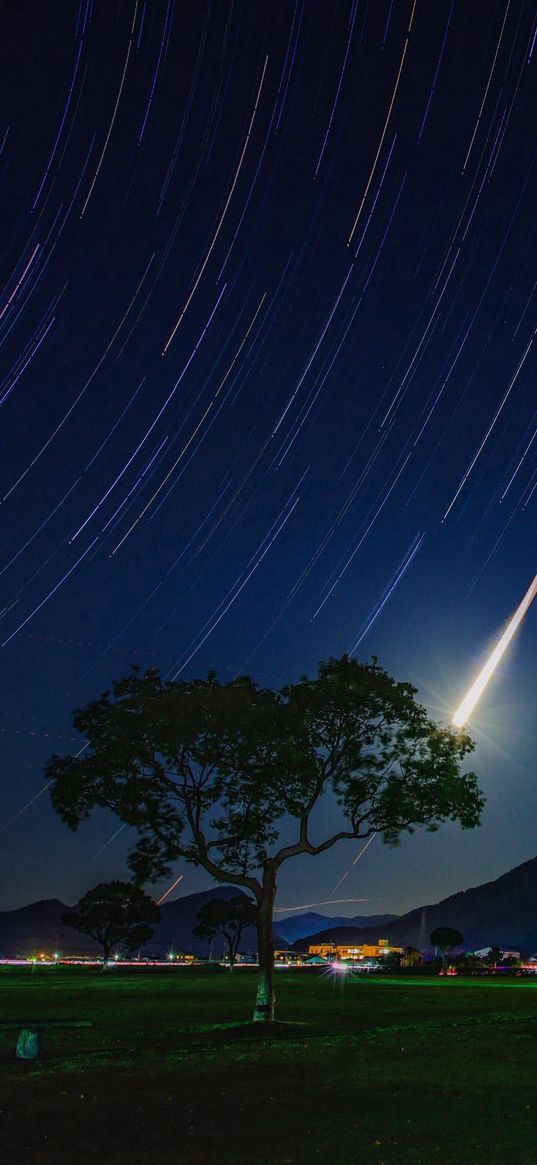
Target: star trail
[(268, 312)]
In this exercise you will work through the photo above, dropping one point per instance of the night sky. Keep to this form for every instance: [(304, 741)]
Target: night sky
[(268, 333)]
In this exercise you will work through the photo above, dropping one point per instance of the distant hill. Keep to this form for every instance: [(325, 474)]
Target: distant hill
[(296, 926), (39, 927), (178, 919), (500, 913)]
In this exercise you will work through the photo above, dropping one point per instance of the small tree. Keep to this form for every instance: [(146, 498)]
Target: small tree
[(444, 938), (115, 912), (467, 962), (494, 956), (411, 957), (214, 773), (228, 917), (392, 960)]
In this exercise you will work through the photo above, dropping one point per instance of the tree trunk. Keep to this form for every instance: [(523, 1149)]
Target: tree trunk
[(264, 1003)]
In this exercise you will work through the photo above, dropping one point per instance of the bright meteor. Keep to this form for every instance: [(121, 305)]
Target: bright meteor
[(464, 711)]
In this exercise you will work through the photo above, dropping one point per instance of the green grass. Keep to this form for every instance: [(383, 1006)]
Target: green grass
[(378, 1070)]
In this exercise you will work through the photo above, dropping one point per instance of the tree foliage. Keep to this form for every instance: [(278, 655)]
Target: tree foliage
[(216, 772), (445, 938), (227, 917), (412, 957), (493, 957), (113, 913)]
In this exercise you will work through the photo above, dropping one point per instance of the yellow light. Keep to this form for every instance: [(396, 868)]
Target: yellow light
[(464, 711)]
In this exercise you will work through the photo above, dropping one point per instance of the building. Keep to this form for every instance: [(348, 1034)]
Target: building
[(289, 958), (355, 952), (486, 951)]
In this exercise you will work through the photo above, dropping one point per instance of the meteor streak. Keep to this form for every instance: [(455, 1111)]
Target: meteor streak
[(464, 711), (325, 902), (170, 888)]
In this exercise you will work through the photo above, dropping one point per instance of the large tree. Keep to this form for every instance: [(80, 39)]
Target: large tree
[(113, 913), (223, 774), (227, 917)]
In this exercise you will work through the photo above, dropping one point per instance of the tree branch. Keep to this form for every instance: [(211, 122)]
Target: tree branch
[(204, 860), (290, 851)]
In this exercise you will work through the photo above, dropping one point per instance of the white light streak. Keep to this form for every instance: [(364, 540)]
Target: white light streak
[(464, 711), (357, 859), (326, 902)]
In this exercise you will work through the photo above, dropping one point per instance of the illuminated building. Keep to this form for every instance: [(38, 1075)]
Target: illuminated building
[(332, 951)]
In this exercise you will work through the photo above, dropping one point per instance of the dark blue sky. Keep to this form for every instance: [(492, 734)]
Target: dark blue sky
[(268, 381)]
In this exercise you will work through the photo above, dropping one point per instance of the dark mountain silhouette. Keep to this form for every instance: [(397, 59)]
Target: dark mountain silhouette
[(296, 926), (174, 932), (500, 913), (38, 927)]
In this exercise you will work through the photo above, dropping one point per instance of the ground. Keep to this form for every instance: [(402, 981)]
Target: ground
[(386, 1070)]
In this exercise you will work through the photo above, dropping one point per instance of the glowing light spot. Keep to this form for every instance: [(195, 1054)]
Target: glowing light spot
[(464, 711)]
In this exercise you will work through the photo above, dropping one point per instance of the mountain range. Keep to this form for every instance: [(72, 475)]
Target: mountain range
[(500, 913), (39, 927), (296, 926)]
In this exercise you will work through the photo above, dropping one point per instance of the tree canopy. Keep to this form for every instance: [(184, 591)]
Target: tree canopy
[(214, 773), (444, 938), (227, 917), (113, 913)]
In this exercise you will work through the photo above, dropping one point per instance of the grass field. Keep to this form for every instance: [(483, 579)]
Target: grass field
[(374, 1070)]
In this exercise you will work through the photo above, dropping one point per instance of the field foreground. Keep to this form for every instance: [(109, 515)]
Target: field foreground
[(377, 1070)]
